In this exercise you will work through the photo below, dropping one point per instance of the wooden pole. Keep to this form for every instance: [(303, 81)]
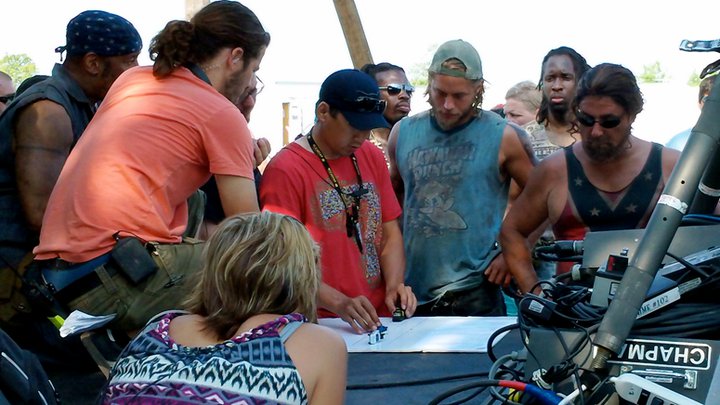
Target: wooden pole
[(286, 123), (354, 34), (193, 6)]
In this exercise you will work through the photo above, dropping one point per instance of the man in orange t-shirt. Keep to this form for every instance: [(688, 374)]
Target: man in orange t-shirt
[(111, 239)]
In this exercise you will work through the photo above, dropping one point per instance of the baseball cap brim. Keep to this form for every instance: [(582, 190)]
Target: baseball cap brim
[(365, 121)]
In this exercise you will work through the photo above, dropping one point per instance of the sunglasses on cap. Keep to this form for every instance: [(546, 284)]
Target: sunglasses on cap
[(610, 121), (365, 104), (394, 89), (7, 98)]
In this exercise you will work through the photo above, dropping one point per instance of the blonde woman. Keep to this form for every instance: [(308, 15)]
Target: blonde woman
[(246, 334)]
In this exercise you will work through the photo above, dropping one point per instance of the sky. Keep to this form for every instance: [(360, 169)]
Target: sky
[(512, 38)]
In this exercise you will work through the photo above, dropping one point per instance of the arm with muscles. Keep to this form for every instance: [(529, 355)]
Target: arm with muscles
[(237, 194), (395, 178), (392, 264), (515, 190), (516, 160), (43, 138), (524, 224), (321, 358)]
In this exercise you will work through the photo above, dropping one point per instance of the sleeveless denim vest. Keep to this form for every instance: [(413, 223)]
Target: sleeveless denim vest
[(454, 201), (16, 238)]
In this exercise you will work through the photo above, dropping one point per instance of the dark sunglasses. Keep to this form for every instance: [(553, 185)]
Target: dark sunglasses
[(7, 98), (394, 89), (611, 121), (366, 104)]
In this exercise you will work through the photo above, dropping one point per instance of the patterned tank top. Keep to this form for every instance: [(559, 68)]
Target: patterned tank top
[(252, 368)]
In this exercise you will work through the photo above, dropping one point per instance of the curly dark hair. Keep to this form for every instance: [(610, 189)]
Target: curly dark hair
[(218, 25)]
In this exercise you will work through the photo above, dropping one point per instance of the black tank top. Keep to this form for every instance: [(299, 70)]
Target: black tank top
[(630, 210)]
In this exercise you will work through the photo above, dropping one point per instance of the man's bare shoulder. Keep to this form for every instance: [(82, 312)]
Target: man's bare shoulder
[(43, 108), (670, 158), (44, 123)]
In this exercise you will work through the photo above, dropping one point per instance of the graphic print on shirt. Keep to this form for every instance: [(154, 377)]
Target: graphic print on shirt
[(437, 170), (333, 217)]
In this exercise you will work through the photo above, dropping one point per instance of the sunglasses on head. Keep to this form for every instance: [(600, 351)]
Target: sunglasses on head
[(7, 98), (366, 104), (610, 121), (394, 89)]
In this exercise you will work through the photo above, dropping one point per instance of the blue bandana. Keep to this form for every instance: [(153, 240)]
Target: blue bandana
[(102, 33)]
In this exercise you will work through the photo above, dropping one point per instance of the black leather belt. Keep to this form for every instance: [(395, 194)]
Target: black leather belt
[(68, 281), (83, 285)]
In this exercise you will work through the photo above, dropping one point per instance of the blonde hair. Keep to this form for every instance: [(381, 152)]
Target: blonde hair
[(255, 264), (527, 93)]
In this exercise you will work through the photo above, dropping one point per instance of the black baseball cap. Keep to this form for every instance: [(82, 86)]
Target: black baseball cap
[(356, 95)]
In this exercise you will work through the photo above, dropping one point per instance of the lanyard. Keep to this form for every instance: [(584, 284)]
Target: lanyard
[(352, 209), (198, 72)]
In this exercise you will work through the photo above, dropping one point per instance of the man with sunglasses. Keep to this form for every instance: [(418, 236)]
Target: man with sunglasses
[(452, 166), (337, 184), (7, 90), (610, 180), (396, 90)]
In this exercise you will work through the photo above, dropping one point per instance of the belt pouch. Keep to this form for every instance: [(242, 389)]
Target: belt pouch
[(132, 259)]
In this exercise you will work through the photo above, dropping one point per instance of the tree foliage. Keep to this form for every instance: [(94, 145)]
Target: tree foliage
[(694, 80), (18, 66), (653, 74)]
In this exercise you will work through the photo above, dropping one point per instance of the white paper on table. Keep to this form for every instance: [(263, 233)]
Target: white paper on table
[(79, 321), (425, 334)]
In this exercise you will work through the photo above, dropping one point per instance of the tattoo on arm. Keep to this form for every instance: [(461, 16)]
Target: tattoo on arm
[(524, 139)]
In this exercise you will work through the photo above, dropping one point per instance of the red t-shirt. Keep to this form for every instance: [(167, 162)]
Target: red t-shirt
[(296, 183)]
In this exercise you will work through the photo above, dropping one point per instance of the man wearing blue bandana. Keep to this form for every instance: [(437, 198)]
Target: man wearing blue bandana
[(42, 125), (37, 131)]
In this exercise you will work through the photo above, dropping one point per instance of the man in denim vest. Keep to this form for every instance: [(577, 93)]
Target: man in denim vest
[(451, 167), (42, 125)]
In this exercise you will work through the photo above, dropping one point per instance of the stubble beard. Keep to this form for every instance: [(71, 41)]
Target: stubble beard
[(559, 112), (232, 89), (455, 121)]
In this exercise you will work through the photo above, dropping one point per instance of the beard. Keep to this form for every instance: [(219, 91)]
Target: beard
[(235, 86), (602, 150), (559, 112), (448, 123)]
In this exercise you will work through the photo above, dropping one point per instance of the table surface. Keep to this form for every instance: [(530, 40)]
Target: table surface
[(381, 378), (385, 377)]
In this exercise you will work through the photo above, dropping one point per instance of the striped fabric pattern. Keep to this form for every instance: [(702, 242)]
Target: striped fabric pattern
[(253, 368)]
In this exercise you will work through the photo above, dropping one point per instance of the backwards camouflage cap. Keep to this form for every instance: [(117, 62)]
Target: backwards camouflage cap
[(100, 32), (462, 51)]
